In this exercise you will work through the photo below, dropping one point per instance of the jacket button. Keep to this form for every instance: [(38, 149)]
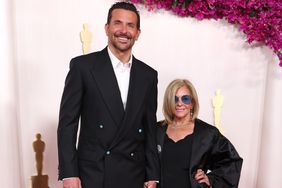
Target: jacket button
[(159, 148), (101, 126), (108, 152), (140, 130), (131, 154)]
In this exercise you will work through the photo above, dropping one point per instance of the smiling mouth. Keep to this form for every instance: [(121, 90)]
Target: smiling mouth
[(179, 110), (123, 39)]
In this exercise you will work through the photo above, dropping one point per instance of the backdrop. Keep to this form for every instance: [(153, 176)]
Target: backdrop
[(38, 39)]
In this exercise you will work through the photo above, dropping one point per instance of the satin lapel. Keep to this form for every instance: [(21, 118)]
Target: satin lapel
[(136, 92), (135, 98), (198, 159), (106, 81), (196, 153)]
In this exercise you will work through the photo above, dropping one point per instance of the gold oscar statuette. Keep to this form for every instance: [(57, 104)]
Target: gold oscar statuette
[(217, 105), (39, 180), (85, 38)]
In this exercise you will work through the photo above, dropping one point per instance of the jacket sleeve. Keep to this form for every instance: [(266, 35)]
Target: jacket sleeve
[(225, 163), (68, 122), (151, 155)]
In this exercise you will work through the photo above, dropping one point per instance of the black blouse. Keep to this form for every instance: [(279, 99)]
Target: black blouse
[(176, 162)]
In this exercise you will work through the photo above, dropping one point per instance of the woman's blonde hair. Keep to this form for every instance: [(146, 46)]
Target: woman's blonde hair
[(169, 99)]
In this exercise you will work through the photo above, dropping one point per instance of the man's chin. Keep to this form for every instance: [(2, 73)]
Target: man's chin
[(123, 48)]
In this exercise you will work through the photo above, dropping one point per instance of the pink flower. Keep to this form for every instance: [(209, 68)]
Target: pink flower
[(260, 20)]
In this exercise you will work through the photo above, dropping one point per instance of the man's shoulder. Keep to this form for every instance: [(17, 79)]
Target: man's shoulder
[(88, 59), (89, 56), (144, 66)]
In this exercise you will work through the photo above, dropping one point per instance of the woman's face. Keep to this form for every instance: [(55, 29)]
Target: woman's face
[(183, 103)]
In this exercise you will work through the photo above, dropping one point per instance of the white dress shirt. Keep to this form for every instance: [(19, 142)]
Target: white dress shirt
[(122, 72)]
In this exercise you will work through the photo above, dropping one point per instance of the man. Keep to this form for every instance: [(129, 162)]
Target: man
[(115, 97)]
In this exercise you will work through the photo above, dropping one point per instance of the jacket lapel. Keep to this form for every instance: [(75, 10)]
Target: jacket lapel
[(197, 146), (199, 155), (135, 98), (136, 92), (106, 81)]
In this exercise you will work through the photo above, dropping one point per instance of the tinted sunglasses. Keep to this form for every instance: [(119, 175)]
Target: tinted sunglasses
[(186, 99)]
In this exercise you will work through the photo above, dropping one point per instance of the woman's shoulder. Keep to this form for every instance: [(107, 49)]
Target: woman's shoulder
[(204, 126), (160, 132), (162, 125)]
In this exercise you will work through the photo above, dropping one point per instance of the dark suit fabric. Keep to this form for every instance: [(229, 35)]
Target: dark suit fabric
[(116, 147), (210, 151)]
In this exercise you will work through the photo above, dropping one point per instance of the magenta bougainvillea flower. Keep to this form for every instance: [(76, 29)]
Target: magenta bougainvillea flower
[(260, 20)]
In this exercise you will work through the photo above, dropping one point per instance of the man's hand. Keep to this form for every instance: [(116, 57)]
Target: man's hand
[(150, 184), (201, 177), (71, 183)]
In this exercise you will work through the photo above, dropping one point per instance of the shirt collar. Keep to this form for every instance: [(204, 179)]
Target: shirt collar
[(116, 62)]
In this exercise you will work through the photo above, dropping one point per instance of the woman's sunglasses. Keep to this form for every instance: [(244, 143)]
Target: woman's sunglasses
[(186, 99)]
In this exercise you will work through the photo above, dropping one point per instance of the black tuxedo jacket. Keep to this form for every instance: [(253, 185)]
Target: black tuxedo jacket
[(212, 152), (116, 147)]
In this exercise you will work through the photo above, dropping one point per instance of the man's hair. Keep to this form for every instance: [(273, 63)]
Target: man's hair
[(125, 6)]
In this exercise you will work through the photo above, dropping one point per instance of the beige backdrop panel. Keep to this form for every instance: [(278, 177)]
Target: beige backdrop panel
[(212, 54), (10, 165)]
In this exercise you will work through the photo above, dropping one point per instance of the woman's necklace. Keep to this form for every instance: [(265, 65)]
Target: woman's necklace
[(175, 126)]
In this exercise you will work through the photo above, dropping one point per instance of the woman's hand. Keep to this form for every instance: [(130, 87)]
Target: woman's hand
[(201, 177), (150, 184)]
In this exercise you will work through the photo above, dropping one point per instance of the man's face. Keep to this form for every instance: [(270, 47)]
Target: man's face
[(122, 30)]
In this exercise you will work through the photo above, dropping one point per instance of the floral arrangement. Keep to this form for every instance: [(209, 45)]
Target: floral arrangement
[(260, 20)]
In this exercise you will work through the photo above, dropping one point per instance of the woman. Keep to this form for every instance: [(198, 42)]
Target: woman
[(193, 153)]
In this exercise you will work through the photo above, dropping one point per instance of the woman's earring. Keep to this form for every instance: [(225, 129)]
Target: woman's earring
[(191, 113)]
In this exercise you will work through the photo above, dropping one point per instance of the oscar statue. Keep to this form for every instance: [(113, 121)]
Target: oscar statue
[(40, 180)]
